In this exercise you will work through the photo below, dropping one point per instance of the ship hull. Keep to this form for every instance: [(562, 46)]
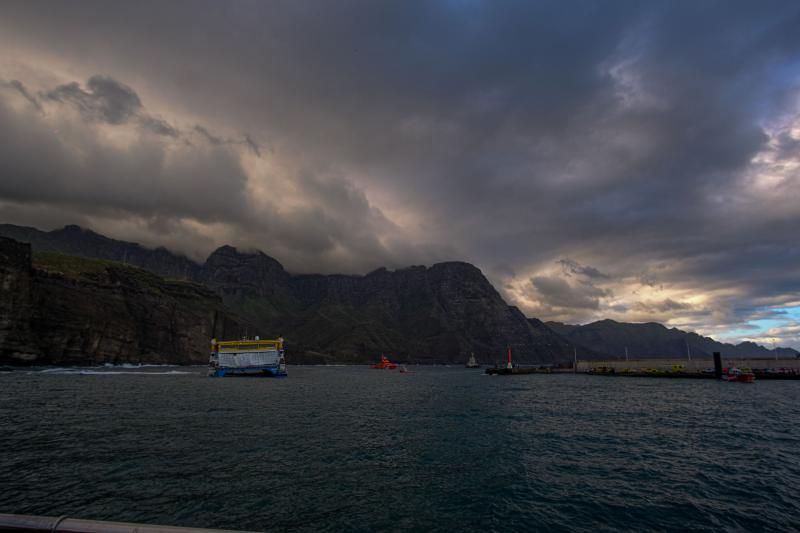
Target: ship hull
[(253, 372)]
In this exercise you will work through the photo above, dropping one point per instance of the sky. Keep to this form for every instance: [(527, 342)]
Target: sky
[(638, 161)]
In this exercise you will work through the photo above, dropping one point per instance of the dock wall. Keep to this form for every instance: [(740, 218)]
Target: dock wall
[(695, 365)]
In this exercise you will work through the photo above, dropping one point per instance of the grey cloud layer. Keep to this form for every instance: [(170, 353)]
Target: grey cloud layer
[(161, 177), (614, 137)]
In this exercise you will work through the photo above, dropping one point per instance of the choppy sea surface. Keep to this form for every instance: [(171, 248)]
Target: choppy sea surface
[(440, 449)]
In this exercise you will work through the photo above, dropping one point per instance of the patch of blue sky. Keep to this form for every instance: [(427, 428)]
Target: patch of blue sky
[(793, 313), (757, 329), (737, 335), (768, 323)]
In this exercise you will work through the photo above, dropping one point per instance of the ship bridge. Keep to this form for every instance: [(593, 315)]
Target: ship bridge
[(245, 356)]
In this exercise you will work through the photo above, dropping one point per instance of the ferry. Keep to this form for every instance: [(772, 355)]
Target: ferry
[(257, 357)]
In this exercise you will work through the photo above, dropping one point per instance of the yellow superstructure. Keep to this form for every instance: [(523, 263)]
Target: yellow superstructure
[(247, 357), (247, 345)]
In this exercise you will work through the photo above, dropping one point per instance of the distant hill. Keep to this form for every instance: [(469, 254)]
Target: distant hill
[(437, 314), (655, 340), (74, 240)]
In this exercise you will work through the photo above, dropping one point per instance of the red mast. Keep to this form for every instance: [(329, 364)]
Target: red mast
[(509, 358)]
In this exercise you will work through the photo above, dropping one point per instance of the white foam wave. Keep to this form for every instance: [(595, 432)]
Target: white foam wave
[(125, 373), (132, 365), (121, 371)]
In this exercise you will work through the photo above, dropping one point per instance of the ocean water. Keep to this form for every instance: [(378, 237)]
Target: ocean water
[(441, 449)]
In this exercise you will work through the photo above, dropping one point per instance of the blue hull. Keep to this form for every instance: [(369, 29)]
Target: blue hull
[(263, 372)]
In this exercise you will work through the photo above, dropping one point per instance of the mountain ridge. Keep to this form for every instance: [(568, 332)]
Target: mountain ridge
[(436, 314), (651, 339), (440, 313)]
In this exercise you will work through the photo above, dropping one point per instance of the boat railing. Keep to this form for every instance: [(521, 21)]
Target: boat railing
[(17, 522)]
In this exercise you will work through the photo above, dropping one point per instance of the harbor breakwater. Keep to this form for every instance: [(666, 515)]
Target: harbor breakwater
[(769, 369), (693, 365)]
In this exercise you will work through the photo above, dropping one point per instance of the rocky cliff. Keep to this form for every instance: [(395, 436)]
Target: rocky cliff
[(611, 338), (57, 309), (439, 314)]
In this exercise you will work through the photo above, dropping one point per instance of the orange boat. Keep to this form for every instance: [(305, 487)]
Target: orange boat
[(385, 363), (735, 374)]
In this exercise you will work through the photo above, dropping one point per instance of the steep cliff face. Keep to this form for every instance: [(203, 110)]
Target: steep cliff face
[(253, 283), (57, 309), (417, 314), (438, 314), (16, 302)]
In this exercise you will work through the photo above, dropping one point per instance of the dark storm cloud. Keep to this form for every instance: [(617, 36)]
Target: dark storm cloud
[(22, 90), (663, 306), (571, 267), (158, 186), (622, 135), (107, 100), (41, 164), (252, 145), (556, 292), (213, 139), (158, 126)]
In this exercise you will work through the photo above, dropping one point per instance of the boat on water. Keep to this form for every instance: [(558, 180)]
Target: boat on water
[(472, 362), (404, 370), (256, 358), (736, 374), (384, 364)]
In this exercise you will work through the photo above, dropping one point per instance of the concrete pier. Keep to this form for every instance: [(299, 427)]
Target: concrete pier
[(695, 365), (704, 368), (517, 370)]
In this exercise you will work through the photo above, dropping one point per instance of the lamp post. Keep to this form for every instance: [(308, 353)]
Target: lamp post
[(574, 359)]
